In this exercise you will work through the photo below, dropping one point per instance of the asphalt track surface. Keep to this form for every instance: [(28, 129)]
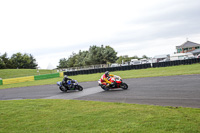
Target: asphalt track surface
[(174, 91)]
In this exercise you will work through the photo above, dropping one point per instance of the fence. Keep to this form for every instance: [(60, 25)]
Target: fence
[(1, 82), (131, 67), (46, 76), (18, 80)]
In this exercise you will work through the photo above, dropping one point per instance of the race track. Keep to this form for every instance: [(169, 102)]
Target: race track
[(166, 91)]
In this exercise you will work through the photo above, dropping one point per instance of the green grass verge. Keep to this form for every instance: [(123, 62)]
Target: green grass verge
[(23, 116), (140, 73), (88, 116), (13, 73)]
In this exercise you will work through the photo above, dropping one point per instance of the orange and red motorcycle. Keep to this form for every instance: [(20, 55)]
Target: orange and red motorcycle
[(116, 82)]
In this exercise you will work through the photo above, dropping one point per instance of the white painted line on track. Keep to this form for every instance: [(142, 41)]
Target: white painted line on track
[(76, 94)]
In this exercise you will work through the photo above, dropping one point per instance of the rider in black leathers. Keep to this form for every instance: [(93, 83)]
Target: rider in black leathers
[(65, 80)]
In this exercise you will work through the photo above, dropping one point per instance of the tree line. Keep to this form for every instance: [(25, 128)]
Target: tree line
[(94, 56), (18, 61)]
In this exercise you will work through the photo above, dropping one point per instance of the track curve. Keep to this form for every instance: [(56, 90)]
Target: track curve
[(174, 91)]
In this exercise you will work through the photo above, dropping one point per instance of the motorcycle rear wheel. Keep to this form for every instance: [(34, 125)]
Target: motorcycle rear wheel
[(124, 86)]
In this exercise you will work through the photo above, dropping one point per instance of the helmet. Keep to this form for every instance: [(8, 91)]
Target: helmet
[(107, 73), (65, 76)]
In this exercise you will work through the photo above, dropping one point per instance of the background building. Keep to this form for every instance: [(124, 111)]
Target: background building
[(188, 46)]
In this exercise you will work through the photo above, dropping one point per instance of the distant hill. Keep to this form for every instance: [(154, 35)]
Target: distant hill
[(13, 73)]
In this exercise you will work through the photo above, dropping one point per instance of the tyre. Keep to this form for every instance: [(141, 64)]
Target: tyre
[(80, 88), (105, 88), (124, 86), (63, 89)]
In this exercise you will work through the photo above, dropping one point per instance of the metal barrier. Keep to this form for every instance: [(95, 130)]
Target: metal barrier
[(46, 76), (17, 80), (30, 78)]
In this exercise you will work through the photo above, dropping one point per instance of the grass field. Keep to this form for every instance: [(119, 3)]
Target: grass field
[(73, 116), (56, 116)]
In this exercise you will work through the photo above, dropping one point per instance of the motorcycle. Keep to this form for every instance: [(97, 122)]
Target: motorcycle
[(116, 82), (70, 85)]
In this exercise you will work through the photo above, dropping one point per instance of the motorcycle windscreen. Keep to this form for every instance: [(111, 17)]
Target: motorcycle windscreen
[(59, 83)]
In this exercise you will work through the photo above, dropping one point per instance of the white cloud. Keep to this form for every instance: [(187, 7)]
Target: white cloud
[(51, 30)]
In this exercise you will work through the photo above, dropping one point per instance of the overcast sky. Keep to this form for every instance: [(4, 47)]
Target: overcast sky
[(52, 29)]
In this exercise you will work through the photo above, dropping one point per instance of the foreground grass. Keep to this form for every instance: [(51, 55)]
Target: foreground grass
[(13, 73), (150, 72), (88, 116)]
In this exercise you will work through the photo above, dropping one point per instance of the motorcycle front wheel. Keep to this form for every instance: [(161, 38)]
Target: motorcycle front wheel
[(80, 88), (63, 89), (124, 86), (105, 88)]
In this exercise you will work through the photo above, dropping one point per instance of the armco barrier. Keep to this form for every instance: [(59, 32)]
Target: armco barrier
[(30, 78), (46, 76), (18, 80)]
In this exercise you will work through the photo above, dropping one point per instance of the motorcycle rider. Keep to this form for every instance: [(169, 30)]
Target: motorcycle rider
[(104, 78), (65, 80)]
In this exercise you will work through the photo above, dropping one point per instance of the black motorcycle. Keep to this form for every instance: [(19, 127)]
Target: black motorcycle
[(70, 85)]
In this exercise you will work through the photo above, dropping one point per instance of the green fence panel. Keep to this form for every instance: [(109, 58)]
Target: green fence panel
[(1, 82), (46, 76)]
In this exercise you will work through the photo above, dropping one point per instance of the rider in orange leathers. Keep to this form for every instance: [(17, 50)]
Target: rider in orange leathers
[(104, 78)]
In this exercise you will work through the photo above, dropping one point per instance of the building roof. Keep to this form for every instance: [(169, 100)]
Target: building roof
[(188, 44)]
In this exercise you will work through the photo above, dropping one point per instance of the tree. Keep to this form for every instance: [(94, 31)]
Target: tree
[(6, 61), (23, 61), (124, 58), (80, 59), (17, 60), (63, 63), (71, 60), (110, 56), (144, 56), (2, 64), (95, 55), (33, 64), (135, 57)]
